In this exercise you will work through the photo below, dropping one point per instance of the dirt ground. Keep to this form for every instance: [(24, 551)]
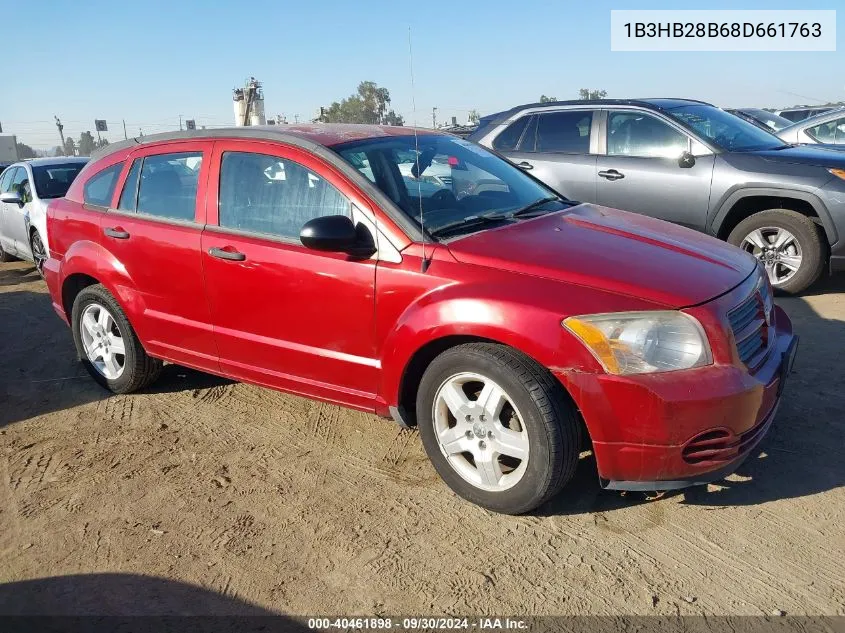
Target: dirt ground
[(205, 496)]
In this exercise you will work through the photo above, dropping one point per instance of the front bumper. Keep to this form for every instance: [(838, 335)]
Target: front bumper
[(670, 431)]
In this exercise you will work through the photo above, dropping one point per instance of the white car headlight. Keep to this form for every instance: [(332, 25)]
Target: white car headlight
[(643, 342)]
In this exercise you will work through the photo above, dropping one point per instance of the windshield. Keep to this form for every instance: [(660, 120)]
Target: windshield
[(447, 179), (768, 118), (724, 129), (53, 181)]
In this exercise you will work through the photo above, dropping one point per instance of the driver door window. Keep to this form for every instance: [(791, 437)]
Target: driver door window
[(641, 134)]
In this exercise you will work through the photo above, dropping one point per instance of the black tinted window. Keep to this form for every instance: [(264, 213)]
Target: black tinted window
[(53, 181), (567, 131), (268, 194), (168, 187), (507, 140), (129, 196), (100, 187)]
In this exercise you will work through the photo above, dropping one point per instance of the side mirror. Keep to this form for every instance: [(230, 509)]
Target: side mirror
[(686, 160), (11, 197), (337, 234)]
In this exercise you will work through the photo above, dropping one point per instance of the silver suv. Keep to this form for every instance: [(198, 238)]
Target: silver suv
[(690, 163)]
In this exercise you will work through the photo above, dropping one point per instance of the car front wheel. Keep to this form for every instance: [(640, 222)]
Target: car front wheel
[(39, 253), (790, 246), (497, 427), (107, 344)]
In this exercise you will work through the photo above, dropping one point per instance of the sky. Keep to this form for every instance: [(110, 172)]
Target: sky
[(148, 62)]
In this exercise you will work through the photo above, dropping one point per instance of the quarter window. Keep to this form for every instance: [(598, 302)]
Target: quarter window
[(6, 180), (267, 194), (830, 132), (129, 196), (640, 134), (168, 187), (567, 131), (100, 187)]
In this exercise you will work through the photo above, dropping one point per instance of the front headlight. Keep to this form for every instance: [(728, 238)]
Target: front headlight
[(643, 342)]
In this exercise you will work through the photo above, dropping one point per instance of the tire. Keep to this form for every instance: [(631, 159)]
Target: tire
[(34, 242), (809, 238), (542, 412), (138, 369)]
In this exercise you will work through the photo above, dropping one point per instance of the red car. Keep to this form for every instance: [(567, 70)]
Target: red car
[(457, 294)]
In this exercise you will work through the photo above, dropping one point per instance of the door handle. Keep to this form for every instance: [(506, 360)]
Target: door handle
[(525, 165), (222, 253), (611, 174), (117, 233)]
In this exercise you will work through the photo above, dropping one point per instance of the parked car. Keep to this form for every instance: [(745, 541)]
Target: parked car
[(25, 189), (827, 128), (761, 118), (693, 164), (803, 112), (498, 320)]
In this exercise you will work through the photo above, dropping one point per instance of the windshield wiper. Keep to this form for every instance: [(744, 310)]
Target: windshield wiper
[(470, 222), (531, 208)]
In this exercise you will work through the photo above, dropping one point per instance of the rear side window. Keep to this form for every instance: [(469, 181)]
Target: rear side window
[(267, 194), (567, 131), (168, 187), (830, 132), (129, 196), (100, 187), (508, 140)]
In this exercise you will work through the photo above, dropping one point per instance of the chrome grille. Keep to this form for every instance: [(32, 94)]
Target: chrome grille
[(750, 330)]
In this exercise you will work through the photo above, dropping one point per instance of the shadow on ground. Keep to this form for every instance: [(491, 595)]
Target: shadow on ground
[(117, 594), (40, 372)]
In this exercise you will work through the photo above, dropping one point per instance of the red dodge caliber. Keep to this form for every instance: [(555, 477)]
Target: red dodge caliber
[(421, 277)]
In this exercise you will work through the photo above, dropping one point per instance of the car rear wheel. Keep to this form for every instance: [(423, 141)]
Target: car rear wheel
[(107, 345), (39, 253), (790, 246), (497, 427)]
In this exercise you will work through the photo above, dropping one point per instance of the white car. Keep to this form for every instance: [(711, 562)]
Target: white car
[(25, 190), (827, 128)]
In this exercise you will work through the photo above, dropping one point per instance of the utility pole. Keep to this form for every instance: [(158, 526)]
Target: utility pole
[(296, 118), (61, 133), (180, 122), (124, 129), (434, 118)]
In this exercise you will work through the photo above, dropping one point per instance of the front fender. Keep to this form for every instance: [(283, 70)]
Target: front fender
[(511, 315)]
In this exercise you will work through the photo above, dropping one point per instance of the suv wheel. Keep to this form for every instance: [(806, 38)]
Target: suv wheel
[(789, 245), (39, 253), (107, 344), (497, 427)]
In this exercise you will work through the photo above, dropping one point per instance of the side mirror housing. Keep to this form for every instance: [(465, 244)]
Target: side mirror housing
[(337, 234), (11, 197), (686, 160)]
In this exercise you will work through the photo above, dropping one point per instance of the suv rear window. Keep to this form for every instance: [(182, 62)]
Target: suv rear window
[(100, 187), (168, 187)]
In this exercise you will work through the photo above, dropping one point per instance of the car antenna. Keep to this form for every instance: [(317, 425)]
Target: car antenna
[(425, 260)]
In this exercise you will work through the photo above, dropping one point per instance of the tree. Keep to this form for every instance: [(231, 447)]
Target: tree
[(586, 93), (70, 147), (25, 151), (57, 151), (368, 105), (87, 144), (474, 117), (102, 143), (545, 99)]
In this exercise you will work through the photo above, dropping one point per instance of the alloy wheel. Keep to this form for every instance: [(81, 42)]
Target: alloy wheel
[(103, 342), (778, 250), (480, 432), (39, 253)]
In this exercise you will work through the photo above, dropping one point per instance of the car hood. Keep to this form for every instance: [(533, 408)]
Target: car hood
[(805, 155), (614, 251)]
